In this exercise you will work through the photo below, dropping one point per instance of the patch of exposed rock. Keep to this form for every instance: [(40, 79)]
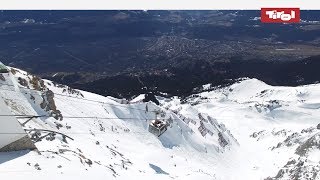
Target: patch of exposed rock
[(23, 82), (312, 143), (49, 105), (2, 77), (37, 83), (297, 169)]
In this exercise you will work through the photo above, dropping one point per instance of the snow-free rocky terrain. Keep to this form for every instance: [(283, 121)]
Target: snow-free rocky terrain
[(248, 130)]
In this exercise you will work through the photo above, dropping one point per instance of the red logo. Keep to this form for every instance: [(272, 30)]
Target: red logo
[(280, 15)]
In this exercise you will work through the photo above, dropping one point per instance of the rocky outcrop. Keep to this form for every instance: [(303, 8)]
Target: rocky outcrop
[(311, 143), (23, 82), (37, 83), (267, 106), (222, 140), (301, 167), (70, 90), (297, 169), (14, 71), (2, 78), (40, 92), (23, 143), (49, 105)]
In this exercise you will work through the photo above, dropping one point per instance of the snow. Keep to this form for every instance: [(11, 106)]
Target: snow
[(138, 98), (206, 86), (111, 139)]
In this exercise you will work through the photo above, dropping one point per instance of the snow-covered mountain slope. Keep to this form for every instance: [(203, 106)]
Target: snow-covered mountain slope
[(249, 130), (109, 139), (276, 128)]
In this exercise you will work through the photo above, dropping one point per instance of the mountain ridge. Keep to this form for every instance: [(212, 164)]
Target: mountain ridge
[(248, 129)]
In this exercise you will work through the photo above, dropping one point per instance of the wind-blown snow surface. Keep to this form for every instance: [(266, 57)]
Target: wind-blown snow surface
[(249, 130)]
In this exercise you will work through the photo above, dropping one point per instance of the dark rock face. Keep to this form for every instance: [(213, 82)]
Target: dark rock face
[(37, 83), (301, 166), (311, 143), (49, 105), (72, 91), (2, 77), (14, 71), (296, 170), (150, 97), (222, 141), (23, 82), (21, 144)]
